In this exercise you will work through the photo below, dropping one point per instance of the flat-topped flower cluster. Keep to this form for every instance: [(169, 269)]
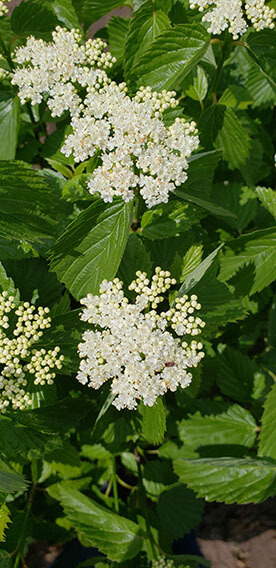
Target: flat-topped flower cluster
[(136, 151), (18, 362), (136, 347), (233, 15)]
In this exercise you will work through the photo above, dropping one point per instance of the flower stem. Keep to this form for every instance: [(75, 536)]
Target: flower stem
[(115, 487), (143, 503)]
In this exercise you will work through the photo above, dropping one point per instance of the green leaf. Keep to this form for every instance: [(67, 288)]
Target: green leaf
[(197, 274), (229, 480), (268, 198), (170, 219), (117, 29), (238, 200), (172, 56), (198, 89), (236, 97), (148, 22), (257, 252), (25, 442), (221, 127), (28, 206), (260, 88), (218, 305), (92, 247), (236, 426), (117, 537), (179, 511), (238, 376), (90, 11), (9, 125), (153, 422), (267, 441), (33, 18), (65, 13), (198, 187), (262, 48), (11, 482), (4, 521), (135, 258), (6, 283)]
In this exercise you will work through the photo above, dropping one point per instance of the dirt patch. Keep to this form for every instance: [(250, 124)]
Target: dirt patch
[(239, 536)]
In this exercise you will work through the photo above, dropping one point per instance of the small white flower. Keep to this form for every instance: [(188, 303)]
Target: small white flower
[(134, 346), (3, 7)]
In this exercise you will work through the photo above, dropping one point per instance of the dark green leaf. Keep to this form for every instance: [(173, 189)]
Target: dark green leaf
[(117, 29), (90, 11), (11, 482), (33, 17), (179, 511), (238, 376), (221, 127), (135, 258)]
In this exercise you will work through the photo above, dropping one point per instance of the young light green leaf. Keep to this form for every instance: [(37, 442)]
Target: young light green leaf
[(257, 252), (196, 275), (153, 422), (92, 246), (9, 124), (235, 424), (172, 56), (229, 480), (198, 90), (114, 535), (4, 521), (268, 198), (148, 22)]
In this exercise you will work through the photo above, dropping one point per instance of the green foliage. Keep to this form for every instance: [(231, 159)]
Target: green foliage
[(145, 472), (228, 479), (91, 247), (171, 57), (119, 538)]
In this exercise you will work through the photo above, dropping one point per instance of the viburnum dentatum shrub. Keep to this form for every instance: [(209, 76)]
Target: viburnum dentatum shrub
[(137, 274)]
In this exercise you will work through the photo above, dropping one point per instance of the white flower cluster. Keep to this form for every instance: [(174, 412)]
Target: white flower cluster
[(134, 346), (231, 15), (137, 149), (57, 68), (3, 7), (15, 351)]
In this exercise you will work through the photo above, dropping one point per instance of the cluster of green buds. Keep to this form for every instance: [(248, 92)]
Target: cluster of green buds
[(17, 360)]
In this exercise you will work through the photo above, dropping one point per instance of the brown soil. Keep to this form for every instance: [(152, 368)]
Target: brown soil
[(233, 536)]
